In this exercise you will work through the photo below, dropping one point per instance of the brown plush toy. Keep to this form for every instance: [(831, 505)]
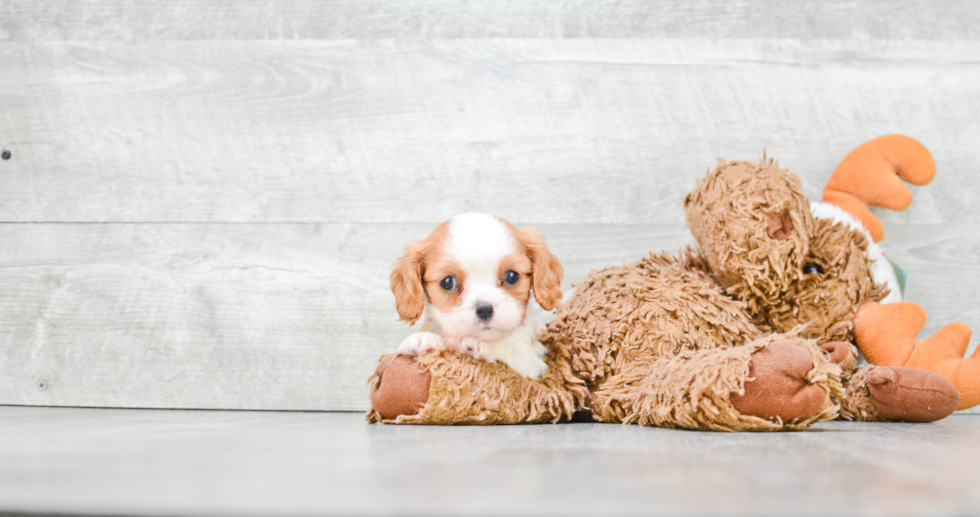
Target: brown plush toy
[(751, 330)]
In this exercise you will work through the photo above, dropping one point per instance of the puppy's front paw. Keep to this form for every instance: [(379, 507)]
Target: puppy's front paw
[(475, 348), (420, 343)]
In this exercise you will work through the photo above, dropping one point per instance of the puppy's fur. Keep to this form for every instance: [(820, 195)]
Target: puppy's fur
[(467, 287)]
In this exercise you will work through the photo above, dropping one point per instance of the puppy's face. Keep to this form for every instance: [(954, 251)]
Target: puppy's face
[(476, 272)]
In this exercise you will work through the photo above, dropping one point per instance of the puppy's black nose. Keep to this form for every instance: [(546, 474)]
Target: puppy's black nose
[(484, 311)]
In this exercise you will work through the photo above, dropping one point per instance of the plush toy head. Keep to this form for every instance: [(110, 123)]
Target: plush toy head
[(756, 229)]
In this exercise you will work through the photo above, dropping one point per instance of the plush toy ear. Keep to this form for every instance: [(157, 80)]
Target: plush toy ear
[(869, 175), (406, 283), (547, 271)]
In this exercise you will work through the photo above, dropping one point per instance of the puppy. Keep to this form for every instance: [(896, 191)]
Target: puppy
[(467, 287)]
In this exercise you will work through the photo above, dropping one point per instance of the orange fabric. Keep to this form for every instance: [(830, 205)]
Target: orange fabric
[(886, 333), (942, 353), (870, 174)]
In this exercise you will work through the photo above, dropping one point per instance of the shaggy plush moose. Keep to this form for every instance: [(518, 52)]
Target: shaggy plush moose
[(754, 328)]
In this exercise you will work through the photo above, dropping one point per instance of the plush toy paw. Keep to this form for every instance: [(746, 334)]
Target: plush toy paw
[(420, 343), (778, 385), (401, 387), (835, 351), (911, 395), (887, 336)]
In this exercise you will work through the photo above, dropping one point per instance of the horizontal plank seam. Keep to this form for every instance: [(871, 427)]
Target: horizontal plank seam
[(190, 409)]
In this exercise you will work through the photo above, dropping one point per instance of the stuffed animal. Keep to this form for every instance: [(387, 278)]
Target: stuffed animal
[(752, 329), (886, 333)]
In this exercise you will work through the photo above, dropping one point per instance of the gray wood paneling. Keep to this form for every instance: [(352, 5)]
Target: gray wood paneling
[(282, 316), (254, 316), (377, 19), (551, 131), (205, 196)]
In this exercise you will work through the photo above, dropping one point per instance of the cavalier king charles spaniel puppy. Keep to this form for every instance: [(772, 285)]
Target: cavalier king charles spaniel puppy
[(467, 287)]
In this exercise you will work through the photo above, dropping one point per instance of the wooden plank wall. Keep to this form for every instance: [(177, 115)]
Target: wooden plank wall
[(205, 196)]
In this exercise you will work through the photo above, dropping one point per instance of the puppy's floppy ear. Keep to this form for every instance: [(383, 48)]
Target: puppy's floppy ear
[(547, 271), (406, 282)]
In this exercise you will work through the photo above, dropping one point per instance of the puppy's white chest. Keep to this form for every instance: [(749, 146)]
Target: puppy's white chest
[(520, 350)]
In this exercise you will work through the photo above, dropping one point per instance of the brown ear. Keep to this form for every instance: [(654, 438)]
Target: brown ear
[(406, 283), (547, 271)]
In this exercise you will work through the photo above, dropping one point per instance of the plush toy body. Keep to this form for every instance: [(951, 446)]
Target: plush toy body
[(751, 330)]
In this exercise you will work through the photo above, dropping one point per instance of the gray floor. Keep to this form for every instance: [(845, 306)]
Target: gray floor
[(154, 462)]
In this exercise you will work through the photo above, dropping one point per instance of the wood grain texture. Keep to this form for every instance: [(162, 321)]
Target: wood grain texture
[(550, 131), (205, 196), (219, 316), (26, 20), (282, 316)]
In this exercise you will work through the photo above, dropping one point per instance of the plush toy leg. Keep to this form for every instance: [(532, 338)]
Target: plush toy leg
[(855, 404), (770, 384), (886, 334), (446, 387), (399, 386), (898, 394)]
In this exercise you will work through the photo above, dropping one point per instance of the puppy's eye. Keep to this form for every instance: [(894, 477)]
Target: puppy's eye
[(511, 277), (448, 283), (811, 268)]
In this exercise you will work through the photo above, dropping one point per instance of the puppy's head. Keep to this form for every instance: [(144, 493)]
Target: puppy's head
[(476, 272)]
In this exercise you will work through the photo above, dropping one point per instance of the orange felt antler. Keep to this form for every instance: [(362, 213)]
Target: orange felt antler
[(869, 175), (887, 335)]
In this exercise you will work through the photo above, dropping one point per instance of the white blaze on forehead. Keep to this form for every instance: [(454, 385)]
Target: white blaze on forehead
[(478, 242)]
